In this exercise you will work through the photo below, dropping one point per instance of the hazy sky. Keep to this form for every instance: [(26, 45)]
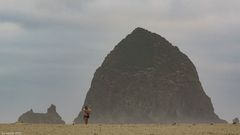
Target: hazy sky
[(49, 49)]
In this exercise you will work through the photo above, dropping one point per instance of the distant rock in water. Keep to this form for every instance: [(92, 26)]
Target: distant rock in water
[(145, 79), (235, 121), (51, 117)]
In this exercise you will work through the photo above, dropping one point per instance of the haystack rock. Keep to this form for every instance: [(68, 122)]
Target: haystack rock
[(145, 79), (51, 117)]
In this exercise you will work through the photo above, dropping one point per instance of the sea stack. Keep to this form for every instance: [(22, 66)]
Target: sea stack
[(51, 117), (145, 79)]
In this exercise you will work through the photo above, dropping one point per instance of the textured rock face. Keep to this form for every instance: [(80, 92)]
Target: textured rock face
[(51, 117), (145, 79)]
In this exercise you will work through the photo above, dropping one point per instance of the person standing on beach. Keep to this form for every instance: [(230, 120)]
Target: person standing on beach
[(86, 114)]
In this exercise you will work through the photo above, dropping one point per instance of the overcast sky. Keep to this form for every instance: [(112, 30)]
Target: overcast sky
[(49, 49)]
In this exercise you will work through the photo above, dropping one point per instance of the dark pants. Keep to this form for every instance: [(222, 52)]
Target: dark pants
[(85, 118)]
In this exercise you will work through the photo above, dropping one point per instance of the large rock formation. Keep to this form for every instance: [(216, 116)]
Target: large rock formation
[(51, 117), (145, 79)]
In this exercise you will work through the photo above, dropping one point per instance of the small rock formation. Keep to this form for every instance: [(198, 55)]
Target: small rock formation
[(236, 121), (51, 117), (145, 79)]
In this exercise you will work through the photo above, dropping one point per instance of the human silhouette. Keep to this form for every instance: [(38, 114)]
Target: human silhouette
[(86, 114)]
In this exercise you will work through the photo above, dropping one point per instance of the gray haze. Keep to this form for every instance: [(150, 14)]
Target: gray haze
[(49, 49)]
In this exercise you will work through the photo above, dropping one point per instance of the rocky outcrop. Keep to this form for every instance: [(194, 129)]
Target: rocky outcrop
[(51, 117), (235, 121), (145, 79)]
